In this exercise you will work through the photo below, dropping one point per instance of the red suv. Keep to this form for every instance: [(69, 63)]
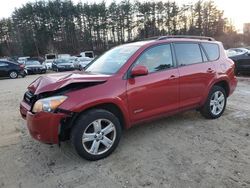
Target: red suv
[(129, 84)]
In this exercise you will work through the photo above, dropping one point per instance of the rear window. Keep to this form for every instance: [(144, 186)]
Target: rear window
[(50, 57), (89, 54), (212, 50), (188, 53)]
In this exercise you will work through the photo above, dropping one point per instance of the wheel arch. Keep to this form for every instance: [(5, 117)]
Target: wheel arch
[(13, 70), (223, 82), (68, 123)]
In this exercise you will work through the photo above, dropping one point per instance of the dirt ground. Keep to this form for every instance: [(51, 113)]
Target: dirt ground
[(184, 150)]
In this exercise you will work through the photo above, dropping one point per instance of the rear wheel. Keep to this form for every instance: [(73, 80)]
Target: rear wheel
[(13, 74), (215, 104), (96, 134)]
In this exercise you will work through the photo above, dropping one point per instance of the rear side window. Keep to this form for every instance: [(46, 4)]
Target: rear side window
[(212, 50), (3, 64), (156, 58), (188, 53)]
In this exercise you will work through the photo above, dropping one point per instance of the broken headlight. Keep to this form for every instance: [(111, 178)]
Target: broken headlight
[(48, 104)]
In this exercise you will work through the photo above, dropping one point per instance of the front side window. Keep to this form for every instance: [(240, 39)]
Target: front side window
[(188, 53), (156, 58)]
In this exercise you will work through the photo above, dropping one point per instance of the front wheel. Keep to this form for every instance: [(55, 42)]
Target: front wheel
[(96, 134), (215, 104)]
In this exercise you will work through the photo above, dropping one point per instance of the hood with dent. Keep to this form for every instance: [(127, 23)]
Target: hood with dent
[(57, 81)]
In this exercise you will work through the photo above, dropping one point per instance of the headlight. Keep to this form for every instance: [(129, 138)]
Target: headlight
[(48, 104)]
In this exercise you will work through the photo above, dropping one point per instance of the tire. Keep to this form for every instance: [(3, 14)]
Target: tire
[(215, 104), (97, 144), (13, 74)]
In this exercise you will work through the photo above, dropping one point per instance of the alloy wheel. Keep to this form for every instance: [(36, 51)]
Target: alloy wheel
[(13, 74), (217, 103), (99, 136)]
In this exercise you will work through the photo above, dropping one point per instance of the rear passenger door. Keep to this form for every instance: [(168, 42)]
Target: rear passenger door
[(4, 66), (196, 72)]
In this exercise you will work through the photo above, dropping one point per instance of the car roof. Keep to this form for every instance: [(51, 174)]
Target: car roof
[(169, 39), (8, 61)]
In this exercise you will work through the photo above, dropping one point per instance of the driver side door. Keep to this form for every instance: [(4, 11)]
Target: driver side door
[(157, 92)]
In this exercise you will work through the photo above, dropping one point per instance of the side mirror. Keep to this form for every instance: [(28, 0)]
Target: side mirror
[(139, 71)]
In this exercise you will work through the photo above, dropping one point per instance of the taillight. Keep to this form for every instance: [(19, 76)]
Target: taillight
[(21, 66)]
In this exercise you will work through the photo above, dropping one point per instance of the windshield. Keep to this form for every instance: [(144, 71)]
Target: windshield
[(111, 61), (32, 63)]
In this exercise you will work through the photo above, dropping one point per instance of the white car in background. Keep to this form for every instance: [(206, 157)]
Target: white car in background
[(63, 56), (89, 54), (49, 59), (22, 60)]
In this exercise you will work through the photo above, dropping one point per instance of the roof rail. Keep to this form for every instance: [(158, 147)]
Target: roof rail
[(186, 37)]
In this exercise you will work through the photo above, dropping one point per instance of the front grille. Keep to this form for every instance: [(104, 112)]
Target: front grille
[(29, 97)]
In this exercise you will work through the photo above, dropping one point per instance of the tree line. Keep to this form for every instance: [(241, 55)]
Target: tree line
[(60, 26)]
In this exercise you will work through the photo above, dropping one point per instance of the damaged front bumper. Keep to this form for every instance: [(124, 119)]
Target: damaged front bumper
[(43, 126)]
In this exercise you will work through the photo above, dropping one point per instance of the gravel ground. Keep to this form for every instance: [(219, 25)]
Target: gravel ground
[(184, 150)]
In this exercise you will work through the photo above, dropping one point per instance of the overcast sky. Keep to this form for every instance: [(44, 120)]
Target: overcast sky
[(237, 11)]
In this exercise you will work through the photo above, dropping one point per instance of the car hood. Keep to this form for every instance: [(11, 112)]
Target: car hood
[(84, 62), (34, 66), (64, 64), (57, 81)]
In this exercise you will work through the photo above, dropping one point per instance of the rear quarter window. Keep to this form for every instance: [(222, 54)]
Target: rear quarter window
[(212, 50)]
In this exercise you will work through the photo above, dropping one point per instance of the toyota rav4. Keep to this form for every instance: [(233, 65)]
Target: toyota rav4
[(127, 85)]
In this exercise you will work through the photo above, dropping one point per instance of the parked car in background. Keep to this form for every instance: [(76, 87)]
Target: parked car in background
[(236, 51), (35, 67), (22, 60), (63, 65), (11, 69), (241, 58), (81, 62), (73, 58), (63, 56), (89, 54), (127, 85), (49, 59), (40, 59)]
